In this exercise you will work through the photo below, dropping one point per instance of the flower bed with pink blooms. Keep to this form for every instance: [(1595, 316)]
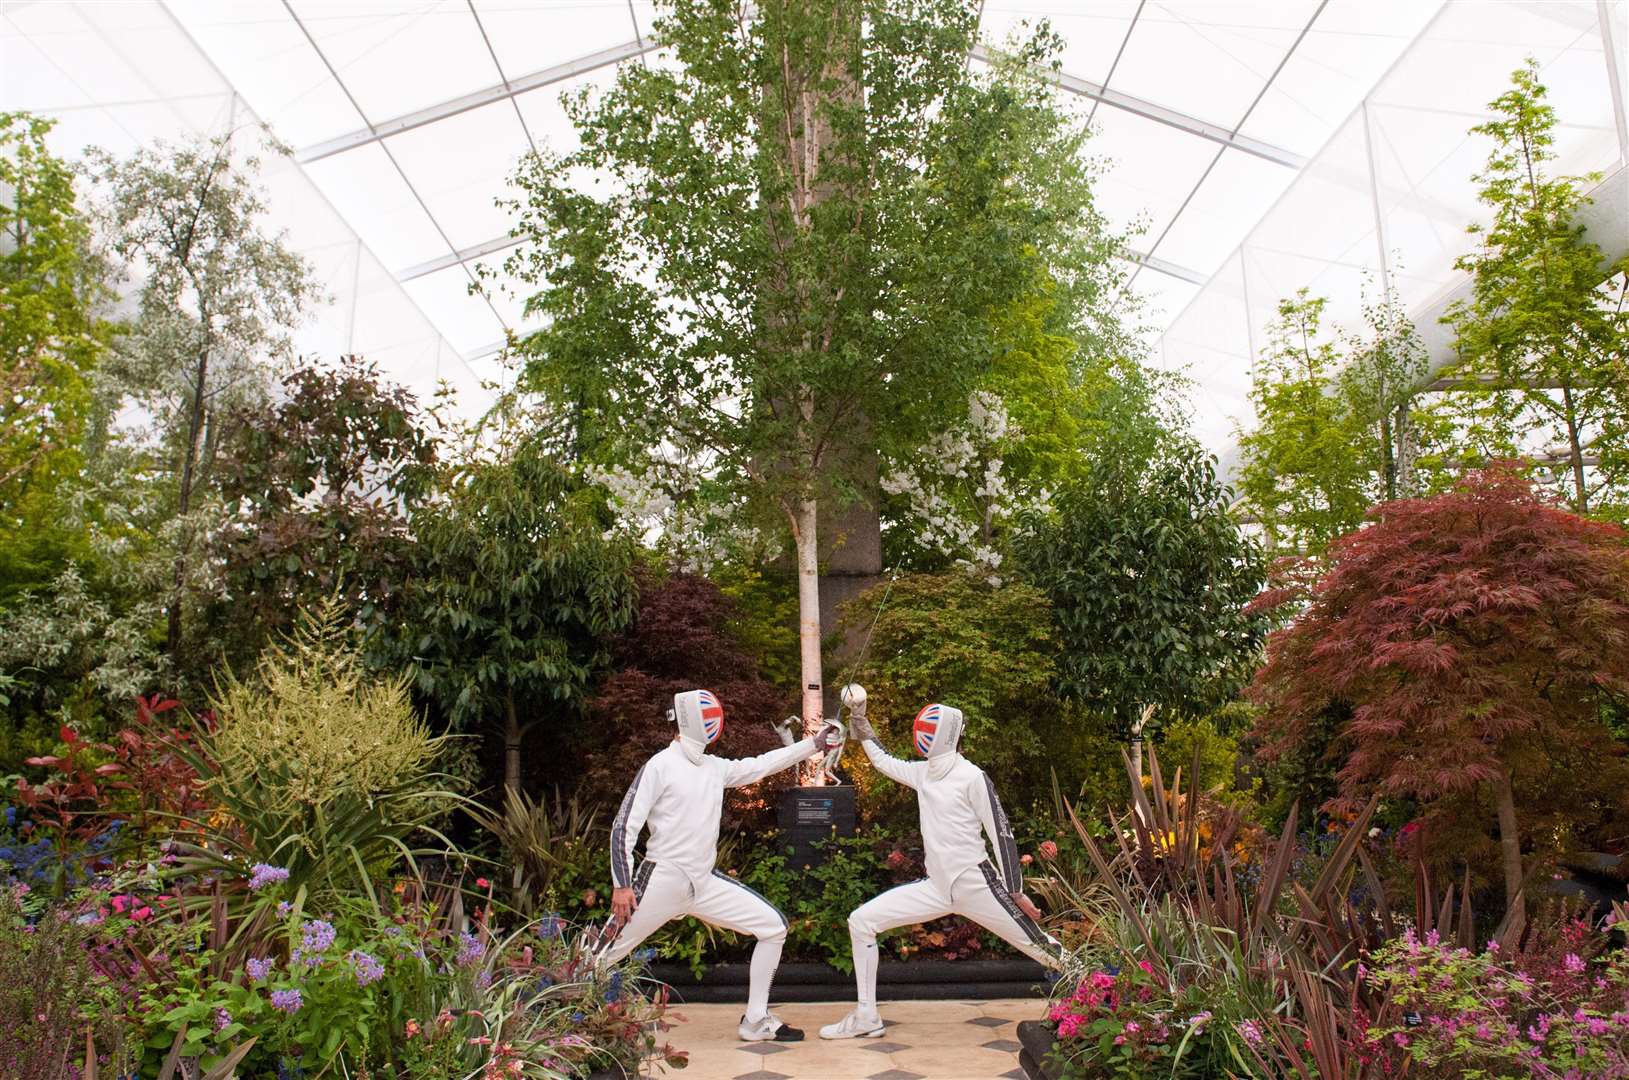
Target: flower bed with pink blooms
[(1557, 1009)]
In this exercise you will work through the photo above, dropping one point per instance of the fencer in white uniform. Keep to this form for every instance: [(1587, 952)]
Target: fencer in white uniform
[(678, 795), (956, 802)]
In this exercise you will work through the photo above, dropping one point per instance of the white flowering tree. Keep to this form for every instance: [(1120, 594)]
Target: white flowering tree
[(956, 490)]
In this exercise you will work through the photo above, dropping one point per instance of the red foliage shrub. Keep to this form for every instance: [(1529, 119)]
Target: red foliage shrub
[(680, 640), (1478, 639)]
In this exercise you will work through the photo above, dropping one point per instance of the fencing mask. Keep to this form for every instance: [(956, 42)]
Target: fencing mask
[(936, 733), (701, 720)]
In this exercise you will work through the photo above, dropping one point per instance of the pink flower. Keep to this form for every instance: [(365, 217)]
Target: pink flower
[(482, 883), (1148, 969), (1025, 859), (1048, 850), (1068, 1026), (1572, 963)]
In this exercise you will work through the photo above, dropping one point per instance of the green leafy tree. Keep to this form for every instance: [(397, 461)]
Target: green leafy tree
[(1542, 340), (514, 590), (1149, 577), (1336, 429), (318, 485), (988, 651), (51, 284), (219, 295), (822, 213)]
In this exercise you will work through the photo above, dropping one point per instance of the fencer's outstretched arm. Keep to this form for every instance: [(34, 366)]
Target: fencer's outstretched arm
[(628, 823), (900, 772), (743, 771), (999, 829)]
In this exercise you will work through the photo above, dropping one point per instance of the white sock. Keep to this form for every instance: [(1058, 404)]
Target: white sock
[(865, 970), (766, 957)]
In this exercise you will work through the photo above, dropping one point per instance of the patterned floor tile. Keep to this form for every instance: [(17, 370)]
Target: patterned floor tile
[(989, 1021), (764, 1048), (763, 1074), (895, 1074), (882, 1046), (1008, 1046), (1016, 1074)]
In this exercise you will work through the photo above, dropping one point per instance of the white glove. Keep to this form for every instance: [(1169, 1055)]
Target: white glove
[(853, 698)]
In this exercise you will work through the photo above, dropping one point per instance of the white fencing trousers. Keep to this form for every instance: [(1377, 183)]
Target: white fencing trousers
[(666, 893), (977, 894)]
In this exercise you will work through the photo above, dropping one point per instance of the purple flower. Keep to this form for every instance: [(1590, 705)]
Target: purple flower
[(318, 936), (470, 949), (263, 874), (283, 908), (288, 1001), (368, 967), (1250, 1031), (261, 968), (1572, 963), (222, 1019)]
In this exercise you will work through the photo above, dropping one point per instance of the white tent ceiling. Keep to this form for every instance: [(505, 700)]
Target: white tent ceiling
[(1255, 146)]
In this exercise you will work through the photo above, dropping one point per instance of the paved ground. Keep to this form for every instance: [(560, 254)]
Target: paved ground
[(926, 1040)]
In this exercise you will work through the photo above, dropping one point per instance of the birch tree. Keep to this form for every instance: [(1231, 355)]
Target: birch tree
[(788, 250)]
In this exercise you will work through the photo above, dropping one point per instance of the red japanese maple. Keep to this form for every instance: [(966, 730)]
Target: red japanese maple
[(1468, 635)]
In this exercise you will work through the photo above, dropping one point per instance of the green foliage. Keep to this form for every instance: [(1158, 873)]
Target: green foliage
[(830, 271), (515, 587), (219, 296), (317, 766), (1218, 756), (1542, 328), (765, 618), (988, 651), (317, 488), (1325, 446), (1148, 578), (51, 284), (553, 847)]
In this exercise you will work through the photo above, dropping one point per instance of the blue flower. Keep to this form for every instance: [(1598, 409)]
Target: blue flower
[(645, 955)]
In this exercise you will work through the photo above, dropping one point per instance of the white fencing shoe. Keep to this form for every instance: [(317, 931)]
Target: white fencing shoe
[(769, 1029), (856, 1025)]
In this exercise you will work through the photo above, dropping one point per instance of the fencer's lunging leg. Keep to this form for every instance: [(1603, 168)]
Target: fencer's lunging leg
[(906, 905), (980, 895), (662, 893), (724, 901)]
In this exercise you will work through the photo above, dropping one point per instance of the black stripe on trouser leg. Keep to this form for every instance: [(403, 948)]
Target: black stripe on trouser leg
[(641, 880), (998, 889), (779, 914)]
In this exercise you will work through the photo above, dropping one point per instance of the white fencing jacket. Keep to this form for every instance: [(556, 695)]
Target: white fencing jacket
[(953, 808), (680, 802)]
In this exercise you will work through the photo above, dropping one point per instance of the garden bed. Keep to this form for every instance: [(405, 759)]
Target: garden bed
[(916, 980)]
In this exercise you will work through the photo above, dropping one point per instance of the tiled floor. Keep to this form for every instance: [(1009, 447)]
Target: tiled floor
[(925, 1040)]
